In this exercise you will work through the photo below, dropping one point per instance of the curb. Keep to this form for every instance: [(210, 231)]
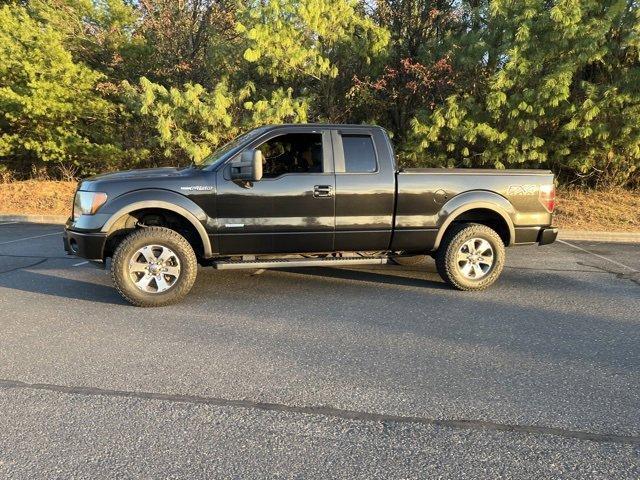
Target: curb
[(580, 235), (613, 237), (60, 219)]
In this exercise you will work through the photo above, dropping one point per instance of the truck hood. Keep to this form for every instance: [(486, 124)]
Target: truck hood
[(141, 173), (180, 180)]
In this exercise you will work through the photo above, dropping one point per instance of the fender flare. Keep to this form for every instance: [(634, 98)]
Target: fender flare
[(473, 200), (171, 201)]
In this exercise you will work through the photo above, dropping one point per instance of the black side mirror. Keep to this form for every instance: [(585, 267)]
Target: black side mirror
[(248, 166)]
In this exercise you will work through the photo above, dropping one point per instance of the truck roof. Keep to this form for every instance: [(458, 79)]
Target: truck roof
[(320, 125)]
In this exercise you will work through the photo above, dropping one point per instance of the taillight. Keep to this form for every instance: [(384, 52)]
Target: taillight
[(547, 197)]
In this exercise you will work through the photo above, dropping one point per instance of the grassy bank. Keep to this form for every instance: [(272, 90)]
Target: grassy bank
[(616, 210), (612, 210), (41, 197)]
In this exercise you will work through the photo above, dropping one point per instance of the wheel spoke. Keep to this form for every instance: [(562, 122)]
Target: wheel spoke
[(162, 283), (466, 269), (147, 252), (471, 246), (477, 271), (172, 271), (166, 254), (484, 248), (144, 282), (488, 261), (136, 267), (462, 257)]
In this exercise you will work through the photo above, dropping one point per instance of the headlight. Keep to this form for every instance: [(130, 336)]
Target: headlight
[(87, 203)]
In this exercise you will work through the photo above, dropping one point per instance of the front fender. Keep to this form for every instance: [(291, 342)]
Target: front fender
[(158, 198), (473, 200)]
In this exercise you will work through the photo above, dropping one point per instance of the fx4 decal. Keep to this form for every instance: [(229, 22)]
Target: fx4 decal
[(521, 190)]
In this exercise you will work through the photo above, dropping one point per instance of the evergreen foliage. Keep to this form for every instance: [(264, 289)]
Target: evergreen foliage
[(93, 85), (559, 86), (50, 106)]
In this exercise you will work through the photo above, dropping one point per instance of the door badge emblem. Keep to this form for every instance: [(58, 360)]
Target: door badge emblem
[(198, 188)]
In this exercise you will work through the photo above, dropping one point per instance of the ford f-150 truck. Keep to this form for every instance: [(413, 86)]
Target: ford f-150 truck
[(304, 195)]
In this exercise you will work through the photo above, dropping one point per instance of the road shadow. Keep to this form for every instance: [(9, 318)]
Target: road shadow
[(53, 285)]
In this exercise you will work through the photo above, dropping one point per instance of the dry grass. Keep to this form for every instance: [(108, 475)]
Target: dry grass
[(615, 210), (42, 197)]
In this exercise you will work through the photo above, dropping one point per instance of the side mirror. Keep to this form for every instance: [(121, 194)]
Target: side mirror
[(248, 167)]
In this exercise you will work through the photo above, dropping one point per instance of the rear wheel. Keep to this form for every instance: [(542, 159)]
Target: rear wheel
[(471, 257), (154, 266)]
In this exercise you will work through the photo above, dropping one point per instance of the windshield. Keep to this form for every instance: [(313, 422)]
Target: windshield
[(228, 150)]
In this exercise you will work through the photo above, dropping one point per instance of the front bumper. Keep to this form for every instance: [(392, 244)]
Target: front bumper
[(85, 245), (547, 235)]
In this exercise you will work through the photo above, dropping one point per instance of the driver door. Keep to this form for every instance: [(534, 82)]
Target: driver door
[(291, 209)]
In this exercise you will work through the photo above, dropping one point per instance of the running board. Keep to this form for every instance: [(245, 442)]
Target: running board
[(305, 262)]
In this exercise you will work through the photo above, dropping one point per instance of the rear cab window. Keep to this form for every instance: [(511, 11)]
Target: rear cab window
[(359, 153)]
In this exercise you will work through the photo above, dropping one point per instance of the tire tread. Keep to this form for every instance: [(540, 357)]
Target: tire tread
[(445, 263), (155, 235)]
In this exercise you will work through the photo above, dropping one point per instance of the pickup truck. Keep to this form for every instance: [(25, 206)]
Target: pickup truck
[(304, 195)]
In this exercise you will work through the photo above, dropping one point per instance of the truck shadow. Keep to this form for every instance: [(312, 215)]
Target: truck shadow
[(400, 279), (34, 277)]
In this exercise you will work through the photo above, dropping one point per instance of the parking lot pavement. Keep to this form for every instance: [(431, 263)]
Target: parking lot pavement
[(329, 373)]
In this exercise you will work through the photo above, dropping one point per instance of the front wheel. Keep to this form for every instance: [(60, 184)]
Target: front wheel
[(471, 257), (154, 266)]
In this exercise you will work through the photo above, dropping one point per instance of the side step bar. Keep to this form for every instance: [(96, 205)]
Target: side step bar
[(304, 262)]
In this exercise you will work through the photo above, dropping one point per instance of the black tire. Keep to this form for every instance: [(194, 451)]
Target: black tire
[(447, 260), (165, 237), (412, 261)]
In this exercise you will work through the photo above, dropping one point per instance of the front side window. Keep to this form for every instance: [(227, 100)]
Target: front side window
[(292, 153), (359, 154)]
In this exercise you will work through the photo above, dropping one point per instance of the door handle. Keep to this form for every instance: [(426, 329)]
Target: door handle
[(322, 191)]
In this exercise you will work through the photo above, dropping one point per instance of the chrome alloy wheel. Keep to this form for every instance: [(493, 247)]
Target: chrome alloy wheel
[(475, 258), (154, 268)]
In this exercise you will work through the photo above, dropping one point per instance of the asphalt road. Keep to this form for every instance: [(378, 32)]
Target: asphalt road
[(322, 373)]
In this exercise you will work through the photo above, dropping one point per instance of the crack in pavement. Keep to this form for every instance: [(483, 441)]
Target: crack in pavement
[(30, 238), (601, 257), (68, 257), (634, 276), (326, 411), (23, 267)]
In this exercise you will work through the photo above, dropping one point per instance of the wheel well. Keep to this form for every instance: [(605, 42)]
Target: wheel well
[(485, 216), (153, 217)]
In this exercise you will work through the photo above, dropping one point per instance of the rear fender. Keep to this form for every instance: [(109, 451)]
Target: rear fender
[(470, 201), (165, 199)]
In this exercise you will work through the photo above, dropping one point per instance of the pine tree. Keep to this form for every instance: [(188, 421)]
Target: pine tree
[(50, 109), (558, 86)]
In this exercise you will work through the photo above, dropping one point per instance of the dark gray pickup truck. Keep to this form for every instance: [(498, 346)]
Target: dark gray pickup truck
[(304, 195)]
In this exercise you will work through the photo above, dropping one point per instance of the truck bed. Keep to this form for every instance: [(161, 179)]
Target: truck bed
[(476, 171), (428, 197)]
